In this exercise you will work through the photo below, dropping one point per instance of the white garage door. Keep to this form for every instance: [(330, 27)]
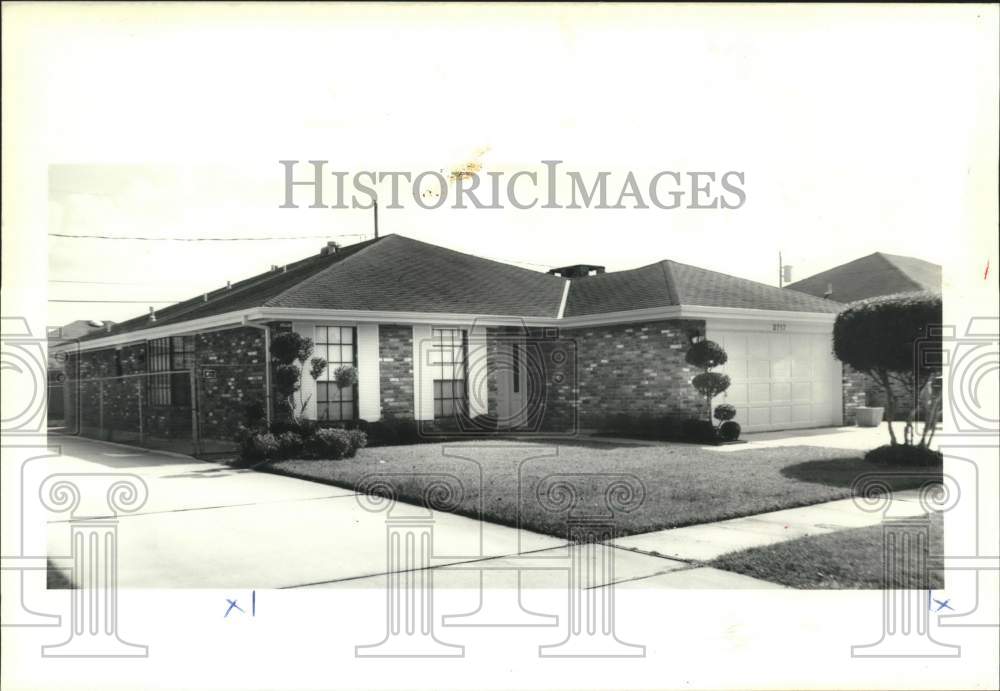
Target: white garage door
[(780, 380)]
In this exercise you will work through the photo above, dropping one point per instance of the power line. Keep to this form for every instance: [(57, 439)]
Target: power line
[(122, 302), (104, 283), (243, 239)]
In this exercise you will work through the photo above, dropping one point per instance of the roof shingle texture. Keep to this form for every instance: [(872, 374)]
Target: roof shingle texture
[(403, 275), (668, 283), (871, 276), (398, 274)]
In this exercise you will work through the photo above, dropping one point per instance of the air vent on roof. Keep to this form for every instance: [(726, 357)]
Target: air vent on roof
[(331, 248), (577, 270), (95, 323), (152, 314), (829, 291)]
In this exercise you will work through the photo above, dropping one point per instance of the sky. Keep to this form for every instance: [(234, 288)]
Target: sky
[(852, 136)]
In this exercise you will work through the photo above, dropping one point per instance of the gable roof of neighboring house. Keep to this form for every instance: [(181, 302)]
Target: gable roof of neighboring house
[(668, 283), (876, 274), (398, 274)]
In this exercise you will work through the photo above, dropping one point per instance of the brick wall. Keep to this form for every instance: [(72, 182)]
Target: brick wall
[(636, 369), (578, 378), (236, 358), (551, 361), (395, 352), (860, 389), (856, 386)]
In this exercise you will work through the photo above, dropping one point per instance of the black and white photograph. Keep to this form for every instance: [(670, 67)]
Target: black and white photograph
[(549, 346)]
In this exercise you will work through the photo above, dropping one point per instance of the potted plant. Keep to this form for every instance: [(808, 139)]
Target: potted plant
[(868, 416)]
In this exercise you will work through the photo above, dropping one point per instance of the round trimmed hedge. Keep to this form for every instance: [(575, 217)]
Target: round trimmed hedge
[(706, 354), (730, 430), (725, 411), (884, 332)]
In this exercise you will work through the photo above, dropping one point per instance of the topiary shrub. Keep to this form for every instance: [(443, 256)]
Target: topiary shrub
[(705, 355), (724, 412), (730, 430), (328, 444), (908, 455), (345, 376)]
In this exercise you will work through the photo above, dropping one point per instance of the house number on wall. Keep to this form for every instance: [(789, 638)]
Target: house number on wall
[(778, 326)]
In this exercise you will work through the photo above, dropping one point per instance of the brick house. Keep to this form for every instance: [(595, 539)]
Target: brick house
[(867, 277), (432, 332)]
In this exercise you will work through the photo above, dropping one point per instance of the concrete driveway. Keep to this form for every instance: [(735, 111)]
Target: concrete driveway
[(850, 438)]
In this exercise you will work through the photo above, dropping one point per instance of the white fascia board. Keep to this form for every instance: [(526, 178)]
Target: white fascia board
[(193, 326), (383, 317), (697, 312), (257, 314)]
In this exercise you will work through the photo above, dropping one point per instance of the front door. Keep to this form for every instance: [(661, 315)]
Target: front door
[(512, 383)]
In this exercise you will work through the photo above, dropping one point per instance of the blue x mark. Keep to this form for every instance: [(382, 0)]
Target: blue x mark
[(232, 603), (943, 605)]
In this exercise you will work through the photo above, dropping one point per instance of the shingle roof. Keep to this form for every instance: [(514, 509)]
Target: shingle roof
[(398, 274), (667, 283), (250, 292), (404, 275), (876, 274)]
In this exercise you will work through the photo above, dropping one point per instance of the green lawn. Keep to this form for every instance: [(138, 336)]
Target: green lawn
[(846, 559), (682, 484)]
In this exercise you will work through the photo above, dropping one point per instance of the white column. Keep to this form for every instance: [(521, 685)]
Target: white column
[(423, 374), (478, 373), (369, 386)]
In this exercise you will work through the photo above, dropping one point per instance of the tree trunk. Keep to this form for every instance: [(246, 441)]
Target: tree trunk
[(890, 403)]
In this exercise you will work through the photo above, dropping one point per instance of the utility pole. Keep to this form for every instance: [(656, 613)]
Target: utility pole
[(781, 269), (375, 206)]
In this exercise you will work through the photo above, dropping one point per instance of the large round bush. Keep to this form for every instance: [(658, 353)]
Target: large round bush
[(886, 332), (729, 430)]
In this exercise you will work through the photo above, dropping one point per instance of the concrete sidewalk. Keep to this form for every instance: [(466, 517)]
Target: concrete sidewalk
[(207, 525), (705, 542)]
